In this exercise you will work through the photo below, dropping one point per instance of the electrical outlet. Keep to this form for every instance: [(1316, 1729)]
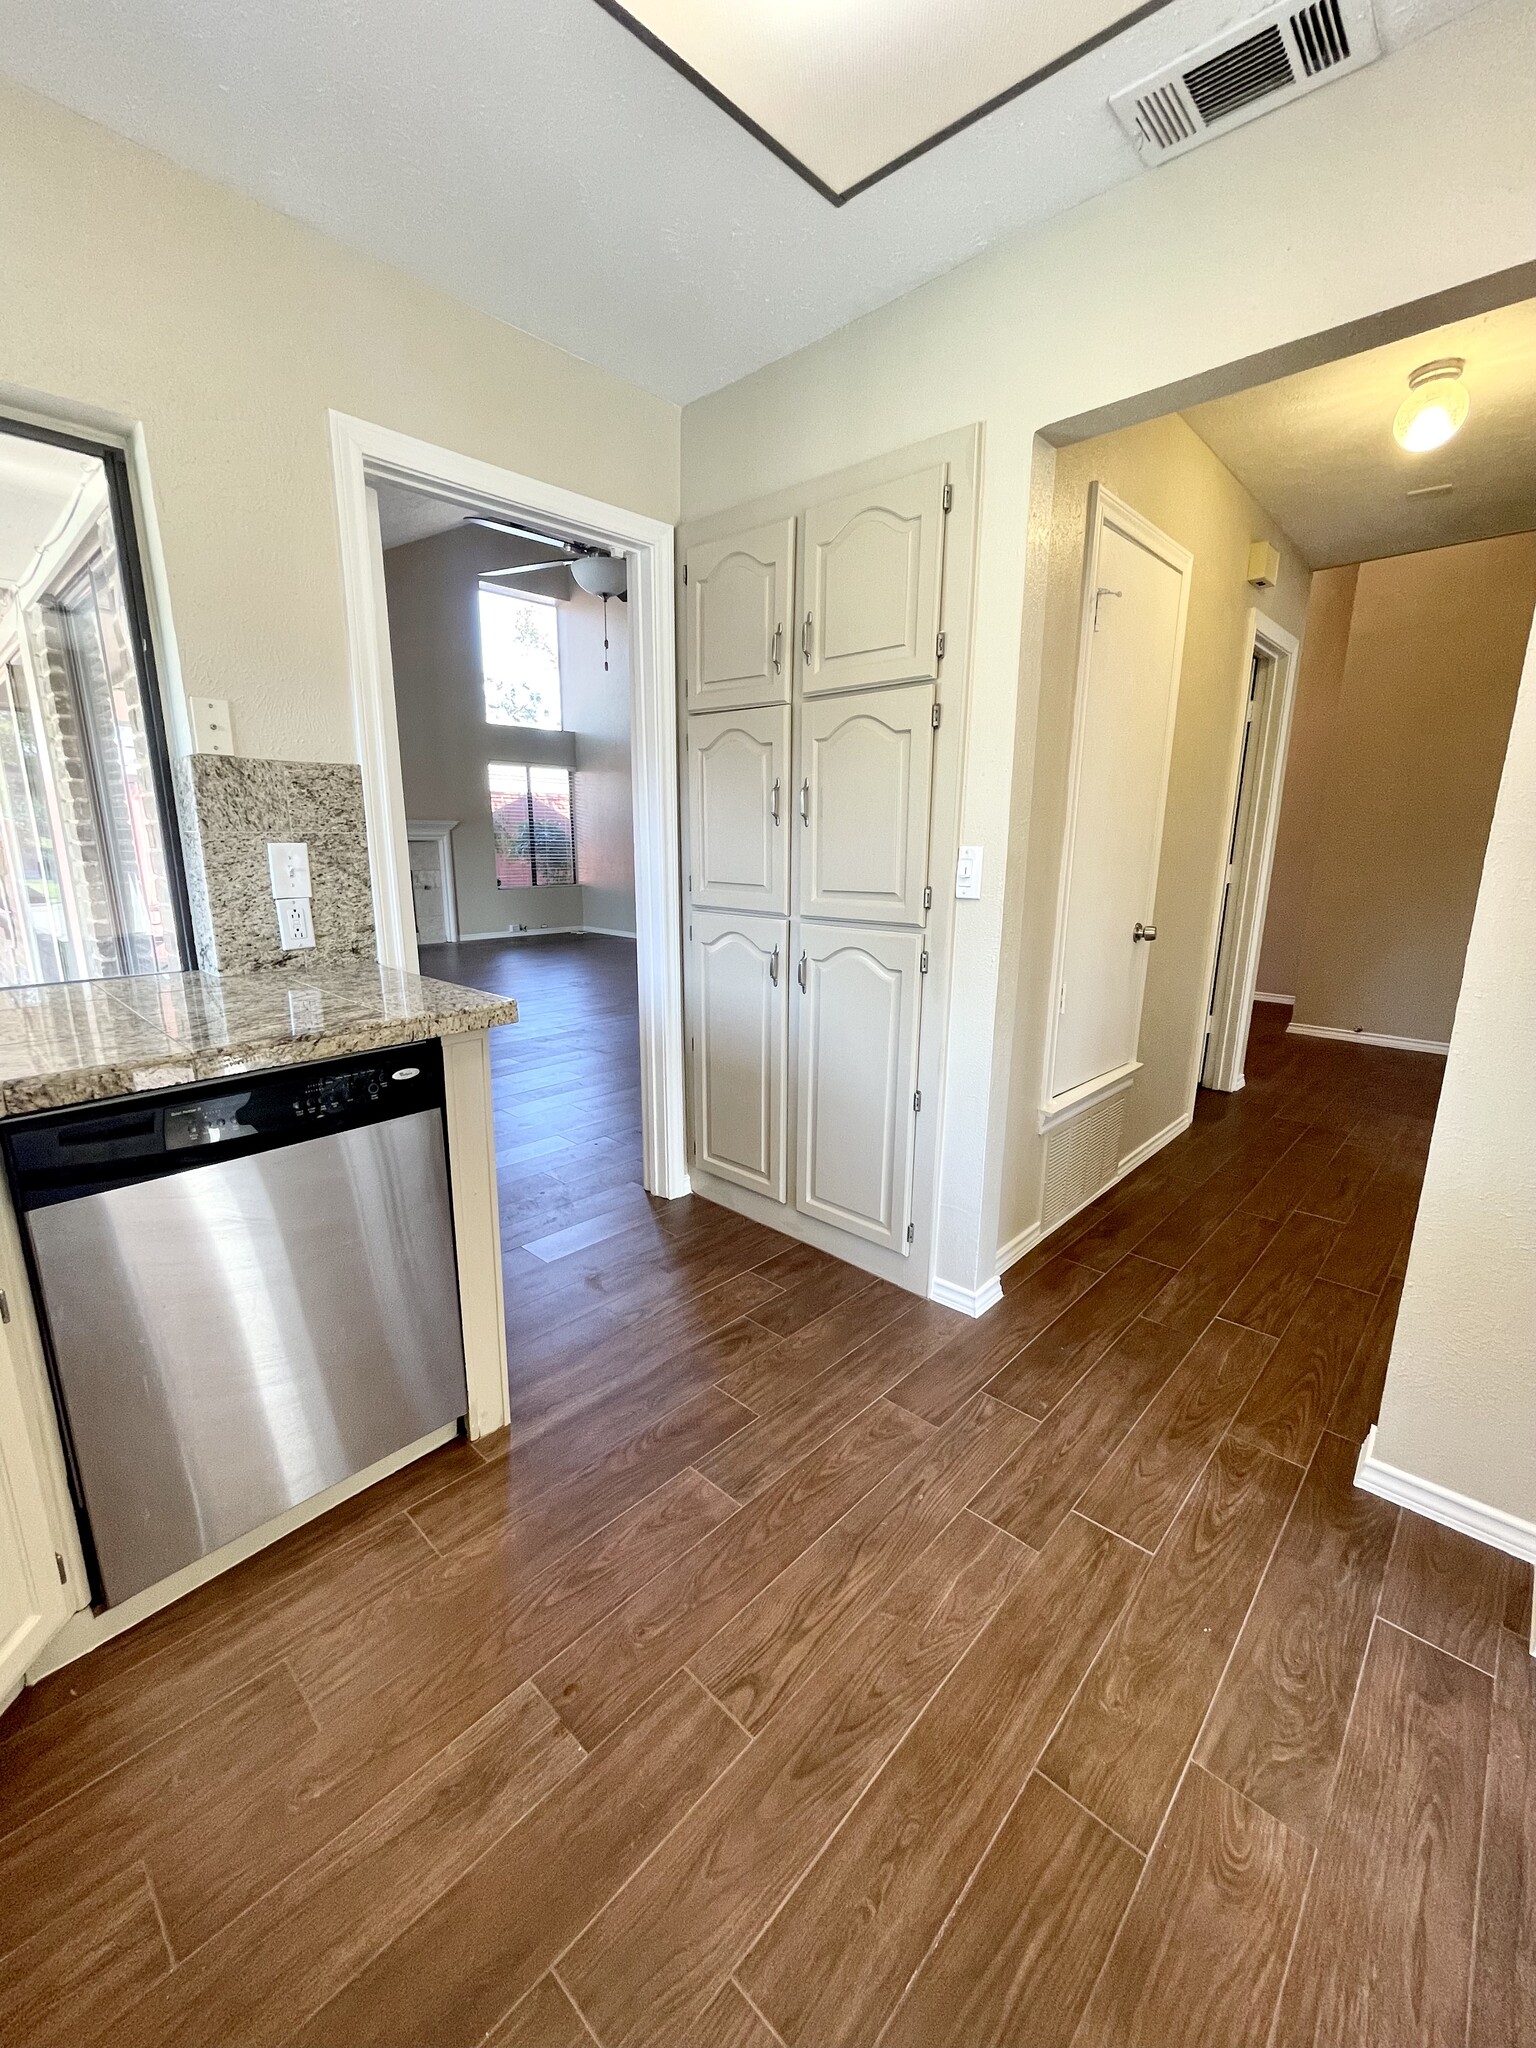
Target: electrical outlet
[(288, 865), (295, 926)]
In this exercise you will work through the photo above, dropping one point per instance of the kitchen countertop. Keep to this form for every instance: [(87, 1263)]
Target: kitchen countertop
[(86, 1041)]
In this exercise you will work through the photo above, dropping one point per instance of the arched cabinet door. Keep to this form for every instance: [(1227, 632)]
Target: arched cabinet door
[(858, 996), (869, 611), (739, 809), (740, 607), (738, 990), (862, 806)]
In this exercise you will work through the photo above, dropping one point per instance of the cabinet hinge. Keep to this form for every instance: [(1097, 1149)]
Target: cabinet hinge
[(949, 496), (928, 897), (685, 565), (917, 1100), (922, 965), (935, 712), (911, 1232), (63, 1575), (938, 649), (5, 1306)]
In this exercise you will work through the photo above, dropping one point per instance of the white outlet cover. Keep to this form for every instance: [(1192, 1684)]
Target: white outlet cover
[(288, 865), (295, 926), (968, 872)]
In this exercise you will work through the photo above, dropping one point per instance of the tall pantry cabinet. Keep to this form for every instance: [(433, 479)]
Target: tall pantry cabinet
[(814, 655)]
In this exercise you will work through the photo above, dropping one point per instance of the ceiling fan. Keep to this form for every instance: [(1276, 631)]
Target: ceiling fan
[(593, 569)]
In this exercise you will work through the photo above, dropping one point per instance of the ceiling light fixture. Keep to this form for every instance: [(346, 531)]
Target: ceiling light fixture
[(1436, 406)]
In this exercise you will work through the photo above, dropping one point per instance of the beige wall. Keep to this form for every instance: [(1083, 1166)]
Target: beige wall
[(1169, 276), (136, 292), (1169, 475), (1387, 810), (1319, 677), (1459, 1407), (446, 745)]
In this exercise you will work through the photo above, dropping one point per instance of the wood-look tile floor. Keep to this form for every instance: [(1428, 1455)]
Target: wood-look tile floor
[(819, 1667)]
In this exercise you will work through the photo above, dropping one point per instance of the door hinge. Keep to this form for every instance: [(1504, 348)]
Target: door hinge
[(934, 716), (63, 1575), (5, 1306), (911, 1232), (938, 649), (928, 897), (922, 965), (917, 1100), (949, 496)]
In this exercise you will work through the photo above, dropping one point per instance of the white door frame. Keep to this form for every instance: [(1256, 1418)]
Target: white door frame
[(362, 453), (1240, 944), (1105, 509), (438, 832)]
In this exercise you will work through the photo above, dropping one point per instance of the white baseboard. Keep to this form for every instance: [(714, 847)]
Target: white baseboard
[(1009, 1254), (1386, 1038), (539, 931), (971, 1301), (1260, 997), (1155, 1143), (606, 931), (1496, 1527)]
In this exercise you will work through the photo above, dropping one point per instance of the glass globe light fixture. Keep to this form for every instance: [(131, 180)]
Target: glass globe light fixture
[(1436, 407)]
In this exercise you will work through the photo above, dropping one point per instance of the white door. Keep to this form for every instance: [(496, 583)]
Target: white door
[(740, 604), (858, 993), (866, 766), (738, 809), (427, 896), (739, 975), (33, 1604), (873, 566), (1134, 599)]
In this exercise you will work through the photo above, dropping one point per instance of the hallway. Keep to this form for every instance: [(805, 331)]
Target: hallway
[(818, 1661)]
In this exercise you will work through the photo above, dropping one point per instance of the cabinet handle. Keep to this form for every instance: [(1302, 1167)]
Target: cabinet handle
[(805, 801), (778, 648), (802, 974), (773, 966), (805, 637), (773, 801)]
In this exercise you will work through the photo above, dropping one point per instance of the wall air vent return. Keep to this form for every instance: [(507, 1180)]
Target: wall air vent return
[(1273, 58)]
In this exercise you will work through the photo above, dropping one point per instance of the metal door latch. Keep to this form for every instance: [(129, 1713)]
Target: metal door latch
[(1144, 931)]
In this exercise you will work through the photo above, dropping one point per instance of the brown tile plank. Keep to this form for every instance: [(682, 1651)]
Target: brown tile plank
[(826, 1288), (776, 1375), (729, 2022), (1200, 1955), (1141, 1488), (655, 1957), (1049, 1365), (600, 1680), (1276, 1287), (1287, 1182), (1363, 1254), (1277, 1724), (1336, 1189), (765, 1650), (266, 1973), (463, 1965), (546, 2018), (1358, 1402), (1129, 1732), (964, 1365), (1182, 1232), (1197, 1292), (1446, 1588), (70, 1983), (1292, 1397), (1032, 1494), (1504, 1980), (1129, 1213), (840, 1952), (1019, 1958), (1383, 1953), (1517, 1597)]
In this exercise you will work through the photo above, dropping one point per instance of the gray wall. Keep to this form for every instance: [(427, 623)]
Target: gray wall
[(446, 745)]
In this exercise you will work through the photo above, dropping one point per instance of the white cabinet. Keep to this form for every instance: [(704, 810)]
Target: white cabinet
[(857, 1070), (739, 610), (33, 1606), (866, 764), (738, 809), (871, 585), (738, 1003)]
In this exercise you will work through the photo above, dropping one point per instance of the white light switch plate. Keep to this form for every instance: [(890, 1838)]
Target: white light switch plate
[(288, 865), (212, 732), (968, 872)]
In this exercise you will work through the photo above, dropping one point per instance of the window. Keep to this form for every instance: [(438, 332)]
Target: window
[(90, 876), (519, 659), (531, 821)]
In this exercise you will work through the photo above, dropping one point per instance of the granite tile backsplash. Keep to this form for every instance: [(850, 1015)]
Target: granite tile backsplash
[(231, 807)]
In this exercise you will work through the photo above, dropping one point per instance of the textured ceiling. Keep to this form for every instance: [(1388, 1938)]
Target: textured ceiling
[(535, 159), (1317, 449)]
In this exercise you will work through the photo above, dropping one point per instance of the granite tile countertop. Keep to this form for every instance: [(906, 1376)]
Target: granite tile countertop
[(85, 1041)]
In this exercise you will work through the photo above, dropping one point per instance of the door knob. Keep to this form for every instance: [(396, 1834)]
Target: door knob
[(1144, 931)]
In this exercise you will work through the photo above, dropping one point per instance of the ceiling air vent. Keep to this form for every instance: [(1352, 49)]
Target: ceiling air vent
[(1275, 57)]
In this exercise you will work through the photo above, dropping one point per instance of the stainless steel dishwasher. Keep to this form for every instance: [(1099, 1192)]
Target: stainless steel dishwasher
[(248, 1292)]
